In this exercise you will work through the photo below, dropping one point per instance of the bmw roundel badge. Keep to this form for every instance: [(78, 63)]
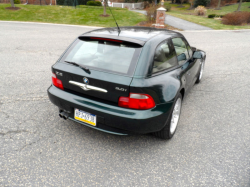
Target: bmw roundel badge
[(85, 80)]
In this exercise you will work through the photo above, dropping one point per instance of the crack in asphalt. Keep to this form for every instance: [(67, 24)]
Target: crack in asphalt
[(15, 132), (30, 99), (5, 113), (18, 131)]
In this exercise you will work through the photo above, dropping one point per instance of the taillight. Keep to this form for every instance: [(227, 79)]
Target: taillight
[(56, 81), (137, 101)]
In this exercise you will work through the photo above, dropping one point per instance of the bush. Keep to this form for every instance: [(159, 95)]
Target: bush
[(167, 7), (200, 11), (211, 15), (201, 3), (98, 3), (17, 2), (151, 13), (236, 18), (71, 2), (94, 3), (214, 3), (215, 15)]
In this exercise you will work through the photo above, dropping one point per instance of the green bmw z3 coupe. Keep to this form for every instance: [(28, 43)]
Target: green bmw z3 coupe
[(127, 81)]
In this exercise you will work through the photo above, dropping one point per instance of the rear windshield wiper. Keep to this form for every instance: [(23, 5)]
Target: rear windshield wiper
[(78, 65)]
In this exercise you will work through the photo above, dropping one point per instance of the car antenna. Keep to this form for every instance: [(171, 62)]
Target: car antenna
[(119, 30)]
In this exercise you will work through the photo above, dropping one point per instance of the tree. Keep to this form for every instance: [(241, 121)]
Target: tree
[(104, 7), (218, 7), (238, 10), (12, 3), (191, 4)]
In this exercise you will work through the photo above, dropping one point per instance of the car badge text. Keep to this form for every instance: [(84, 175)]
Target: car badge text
[(58, 73), (121, 89)]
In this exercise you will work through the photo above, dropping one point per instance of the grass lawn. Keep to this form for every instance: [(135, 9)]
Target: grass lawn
[(212, 23), (84, 15)]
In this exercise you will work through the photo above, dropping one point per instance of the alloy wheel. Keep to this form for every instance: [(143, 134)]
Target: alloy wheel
[(175, 116)]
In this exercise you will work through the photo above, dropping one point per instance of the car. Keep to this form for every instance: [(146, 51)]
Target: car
[(127, 80)]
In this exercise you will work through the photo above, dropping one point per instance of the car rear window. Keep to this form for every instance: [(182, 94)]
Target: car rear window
[(106, 55)]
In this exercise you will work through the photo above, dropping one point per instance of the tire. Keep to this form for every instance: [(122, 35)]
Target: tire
[(170, 128), (200, 72)]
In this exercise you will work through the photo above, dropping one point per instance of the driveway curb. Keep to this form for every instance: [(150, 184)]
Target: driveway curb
[(51, 24), (67, 25)]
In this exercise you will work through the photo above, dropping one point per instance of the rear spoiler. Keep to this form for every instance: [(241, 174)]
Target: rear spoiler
[(120, 38)]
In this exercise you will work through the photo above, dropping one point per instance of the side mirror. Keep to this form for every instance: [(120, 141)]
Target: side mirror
[(193, 49), (181, 57), (197, 55)]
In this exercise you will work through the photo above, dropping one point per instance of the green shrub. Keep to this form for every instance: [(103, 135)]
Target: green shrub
[(212, 15), (201, 2), (94, 3), (71, 2), (98, 3), (215, 15), (17, 2), (168, 7)]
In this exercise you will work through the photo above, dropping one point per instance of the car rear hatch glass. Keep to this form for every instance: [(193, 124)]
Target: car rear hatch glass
[(103, 54), (111, 64)]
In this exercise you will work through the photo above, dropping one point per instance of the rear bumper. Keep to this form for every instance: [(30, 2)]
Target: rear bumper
[(111, 118)]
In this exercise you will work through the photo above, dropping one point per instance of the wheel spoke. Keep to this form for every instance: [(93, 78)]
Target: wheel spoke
[(175, 116)]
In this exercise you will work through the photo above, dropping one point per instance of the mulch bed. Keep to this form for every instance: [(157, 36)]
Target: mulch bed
[(104, 15), (146, 24), (13, 8)]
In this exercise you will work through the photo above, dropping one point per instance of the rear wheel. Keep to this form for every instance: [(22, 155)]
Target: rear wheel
[(201, 72), (171, 125)]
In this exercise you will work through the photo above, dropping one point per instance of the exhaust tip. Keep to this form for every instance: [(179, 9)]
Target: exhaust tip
[(63, 115)]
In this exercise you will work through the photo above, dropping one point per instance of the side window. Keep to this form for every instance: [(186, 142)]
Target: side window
[(164, 58), (190, 51), (181, 50)]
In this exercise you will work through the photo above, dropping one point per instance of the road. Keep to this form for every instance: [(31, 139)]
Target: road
[(179, 23), (37, 148)]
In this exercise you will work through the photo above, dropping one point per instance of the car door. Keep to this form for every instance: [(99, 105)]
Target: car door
[(194, 64), (184, 60)]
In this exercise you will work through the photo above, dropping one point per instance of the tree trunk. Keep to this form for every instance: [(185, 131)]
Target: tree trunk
[(12, 3), (218, 7), (238, 10), (104, 8)]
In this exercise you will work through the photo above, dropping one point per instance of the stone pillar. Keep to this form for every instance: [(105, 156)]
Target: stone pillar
[(160, 18)]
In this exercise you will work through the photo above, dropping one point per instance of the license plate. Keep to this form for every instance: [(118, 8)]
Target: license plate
[(85, 117)]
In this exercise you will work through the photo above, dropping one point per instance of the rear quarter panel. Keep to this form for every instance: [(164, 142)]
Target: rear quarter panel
[(163, 87)]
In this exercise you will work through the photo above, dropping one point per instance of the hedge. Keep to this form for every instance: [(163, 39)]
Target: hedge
[(94, 3), (71, 2)]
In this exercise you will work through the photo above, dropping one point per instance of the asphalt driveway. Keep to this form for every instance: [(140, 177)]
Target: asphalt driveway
[(37, 148), (179, 23)]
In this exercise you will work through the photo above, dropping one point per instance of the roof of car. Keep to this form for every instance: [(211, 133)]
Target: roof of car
[(139, 34)]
